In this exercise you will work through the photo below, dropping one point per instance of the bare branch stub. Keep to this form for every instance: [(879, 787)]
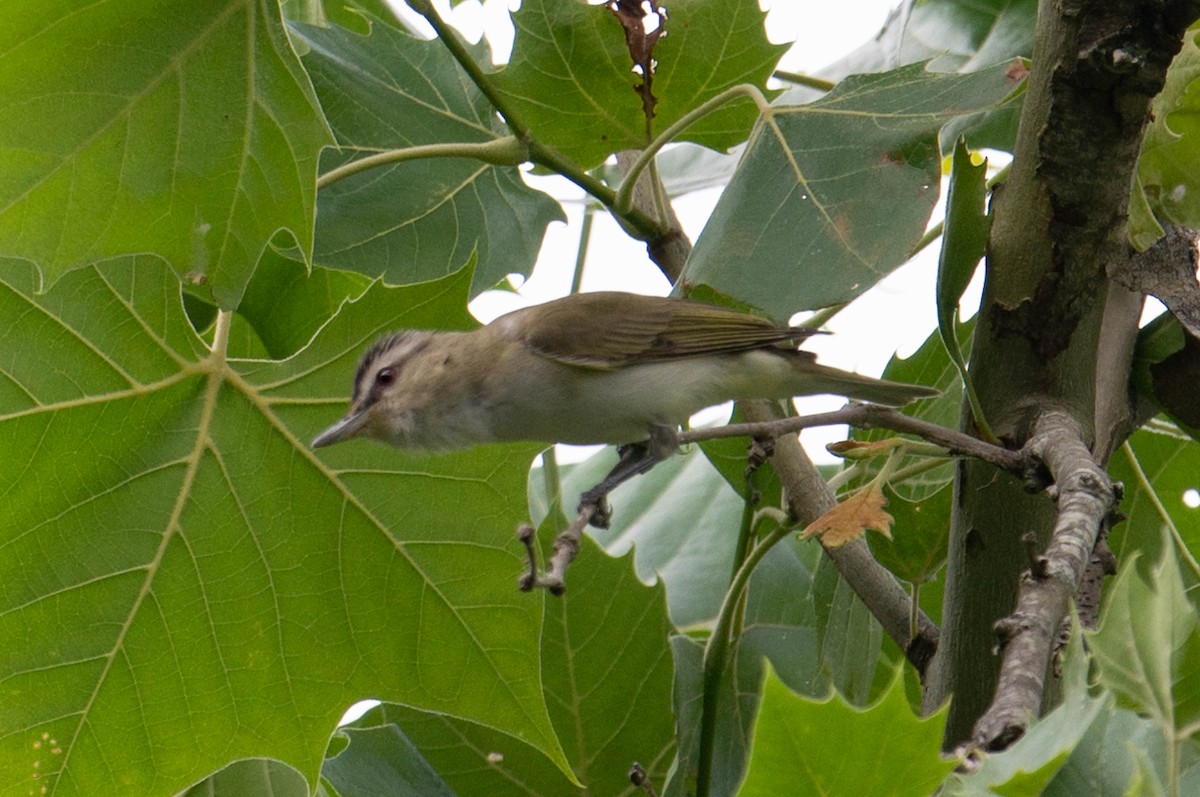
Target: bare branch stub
[(566, 548)]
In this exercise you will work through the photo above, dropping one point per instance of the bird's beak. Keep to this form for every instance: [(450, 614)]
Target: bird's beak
[(342, 430)]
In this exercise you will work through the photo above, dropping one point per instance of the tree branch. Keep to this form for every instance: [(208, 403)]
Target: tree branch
[(808, 498), (873, 416), (1085, 498), (668, 250)]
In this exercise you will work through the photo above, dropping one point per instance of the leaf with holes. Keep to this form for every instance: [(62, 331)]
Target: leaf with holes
[(184, 583), (575, 53)]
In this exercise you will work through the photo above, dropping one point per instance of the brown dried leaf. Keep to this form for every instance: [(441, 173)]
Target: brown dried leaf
[(631, 13), (851, 518)]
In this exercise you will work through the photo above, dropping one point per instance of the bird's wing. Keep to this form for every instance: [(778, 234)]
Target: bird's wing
[(606, 330)]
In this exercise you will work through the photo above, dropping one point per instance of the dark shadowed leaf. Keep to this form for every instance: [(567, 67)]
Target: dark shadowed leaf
[(420, 219)]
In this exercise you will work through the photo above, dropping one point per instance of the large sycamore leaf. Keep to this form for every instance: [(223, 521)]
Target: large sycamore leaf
[(607, 667), (831, 196), (183, 583), (419, 219), (571, 78), (185, 130)]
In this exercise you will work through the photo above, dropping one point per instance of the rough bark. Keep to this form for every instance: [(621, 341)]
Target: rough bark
[(1059, 227)]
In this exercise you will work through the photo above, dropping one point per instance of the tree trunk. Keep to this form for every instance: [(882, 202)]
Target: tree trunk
[(1048, 316)]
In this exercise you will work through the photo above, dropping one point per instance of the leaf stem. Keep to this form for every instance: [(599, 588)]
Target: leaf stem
[(801, 79), (633, 221), (507, 151), (585, 237), (914, 610), (553, 486), (220, 344), (645, 157), (716, 655)]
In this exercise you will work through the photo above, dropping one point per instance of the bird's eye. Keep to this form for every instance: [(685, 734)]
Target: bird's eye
[(385, 376)]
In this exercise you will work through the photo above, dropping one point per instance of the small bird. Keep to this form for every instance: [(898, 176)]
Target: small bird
[(606, 367)]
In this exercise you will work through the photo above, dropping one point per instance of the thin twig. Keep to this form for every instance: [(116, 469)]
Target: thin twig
[(566, 548), (873, 416)]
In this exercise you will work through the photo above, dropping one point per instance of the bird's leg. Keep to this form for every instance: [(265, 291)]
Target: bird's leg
[(635, 459), (593, 508)]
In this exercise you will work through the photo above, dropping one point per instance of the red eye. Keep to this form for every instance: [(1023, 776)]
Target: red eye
[(385, 376)]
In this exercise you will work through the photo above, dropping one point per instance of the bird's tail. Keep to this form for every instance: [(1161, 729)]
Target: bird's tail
[(823, 379)]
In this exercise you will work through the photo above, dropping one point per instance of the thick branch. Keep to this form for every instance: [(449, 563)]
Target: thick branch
[(670, 248), (808, 498), (1085, 498), (1059, 227)]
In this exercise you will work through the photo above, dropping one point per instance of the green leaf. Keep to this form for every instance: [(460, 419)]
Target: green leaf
[(1170, 461), (1170, 158), (284, 306), (346, 13), (831, 196), (1148, 645), (683, 520), (258, 777), (384, 757), (607, 669), (964, 243), (848, 634), (575, 53), (883, 750), (183, 583), (189, 131), (953, 35), (419, 219), (920, 537)]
